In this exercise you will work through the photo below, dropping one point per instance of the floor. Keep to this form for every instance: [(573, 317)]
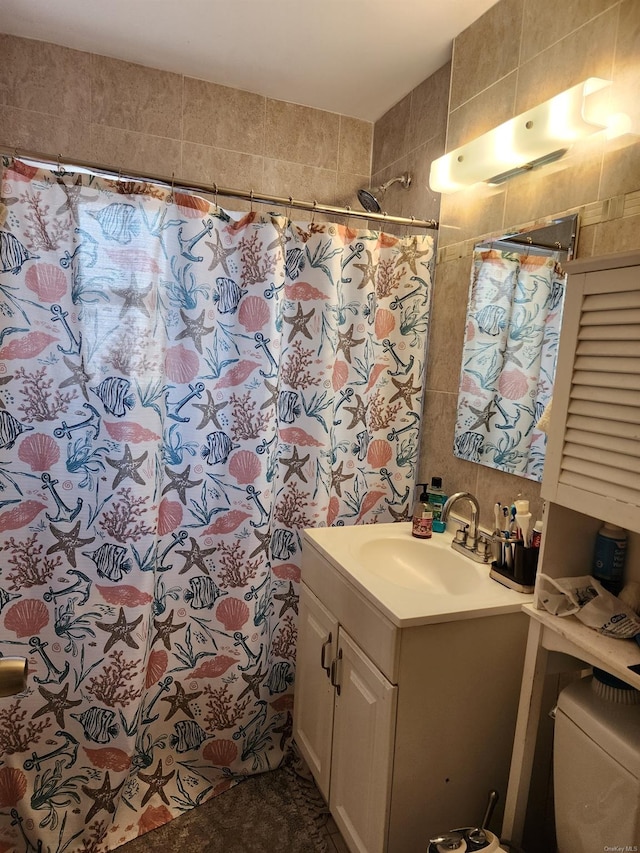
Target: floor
[(335, 841), (281, 810)]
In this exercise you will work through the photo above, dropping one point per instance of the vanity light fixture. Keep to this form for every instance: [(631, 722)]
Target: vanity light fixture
[(539, 135)]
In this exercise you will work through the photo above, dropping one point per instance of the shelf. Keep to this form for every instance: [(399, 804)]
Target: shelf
[(568, 635)]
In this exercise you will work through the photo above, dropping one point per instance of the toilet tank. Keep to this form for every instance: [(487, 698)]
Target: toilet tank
[(596, 772)]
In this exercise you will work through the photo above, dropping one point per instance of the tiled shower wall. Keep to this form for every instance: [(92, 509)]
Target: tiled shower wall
[(56, 100), (517, 55)]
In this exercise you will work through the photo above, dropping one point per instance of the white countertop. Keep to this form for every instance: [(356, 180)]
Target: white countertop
[(412, 581)]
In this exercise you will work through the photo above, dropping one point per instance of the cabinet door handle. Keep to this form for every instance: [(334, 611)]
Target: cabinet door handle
[(323, 652), (334, 671)]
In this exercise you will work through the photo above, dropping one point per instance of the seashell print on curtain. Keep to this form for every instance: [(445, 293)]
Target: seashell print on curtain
[(182, 389), (509, 358)]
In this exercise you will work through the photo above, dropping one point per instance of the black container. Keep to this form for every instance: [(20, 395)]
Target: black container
[(514, 565), (525, 565)]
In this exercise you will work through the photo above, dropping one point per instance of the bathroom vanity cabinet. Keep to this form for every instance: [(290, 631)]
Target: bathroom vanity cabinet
[(592, 474), (405, 722), (345, 711)]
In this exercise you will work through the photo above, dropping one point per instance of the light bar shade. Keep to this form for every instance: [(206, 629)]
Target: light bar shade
[(538, 136)]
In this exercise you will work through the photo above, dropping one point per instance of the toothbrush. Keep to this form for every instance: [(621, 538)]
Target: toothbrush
[(496, 518)]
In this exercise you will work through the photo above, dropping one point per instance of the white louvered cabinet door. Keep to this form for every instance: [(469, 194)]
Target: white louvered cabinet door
[(593, 450)]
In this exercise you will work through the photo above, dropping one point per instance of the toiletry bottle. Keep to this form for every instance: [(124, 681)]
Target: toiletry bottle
[(608, 557), (437, 499), (536, 535), (422, 515)]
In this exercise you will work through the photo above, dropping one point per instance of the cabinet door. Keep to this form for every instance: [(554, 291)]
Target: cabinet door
[(593, 459), (314, 694), (362, 755)]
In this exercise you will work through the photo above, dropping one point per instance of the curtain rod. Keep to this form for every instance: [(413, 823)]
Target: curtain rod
[(213, 189), (511, 241), (555, 247)]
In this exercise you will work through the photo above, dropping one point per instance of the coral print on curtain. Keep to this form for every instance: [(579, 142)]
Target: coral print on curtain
[(509, 360), (181, 391)]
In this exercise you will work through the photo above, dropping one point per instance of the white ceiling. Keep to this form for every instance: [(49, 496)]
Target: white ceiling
[(355, 57)]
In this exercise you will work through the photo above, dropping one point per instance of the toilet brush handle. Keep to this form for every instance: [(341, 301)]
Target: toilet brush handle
[(493, 799)]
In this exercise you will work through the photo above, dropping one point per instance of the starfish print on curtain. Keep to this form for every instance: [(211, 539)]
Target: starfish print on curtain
[(182, 390), (508, 369)]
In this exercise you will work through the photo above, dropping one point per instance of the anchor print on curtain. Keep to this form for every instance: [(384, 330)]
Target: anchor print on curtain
[(509, 360), (182, 390)]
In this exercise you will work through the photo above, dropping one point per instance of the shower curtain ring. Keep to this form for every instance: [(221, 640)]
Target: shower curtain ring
[(406, 225), (171, 197), (313, 214), (348, 209), (215, 196), (251, 200), (289, 209)]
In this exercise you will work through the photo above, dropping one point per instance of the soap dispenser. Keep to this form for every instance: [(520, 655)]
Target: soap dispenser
[(422, 515)]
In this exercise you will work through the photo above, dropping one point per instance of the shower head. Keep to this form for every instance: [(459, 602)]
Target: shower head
[(370, 199)]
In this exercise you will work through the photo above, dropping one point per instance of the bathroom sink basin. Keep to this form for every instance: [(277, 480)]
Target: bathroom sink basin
[(419, 564), (413, 581)]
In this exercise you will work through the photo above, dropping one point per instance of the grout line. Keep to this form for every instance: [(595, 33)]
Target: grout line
[(574, 30), (547, 47), (446, 124), (613, 65), (521, 36), (598, 210), (182, 126)]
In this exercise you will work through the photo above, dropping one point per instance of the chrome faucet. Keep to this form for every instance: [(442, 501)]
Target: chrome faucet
[(467, 539)]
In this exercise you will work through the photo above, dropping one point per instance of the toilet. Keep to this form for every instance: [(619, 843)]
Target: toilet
[(596, 768)]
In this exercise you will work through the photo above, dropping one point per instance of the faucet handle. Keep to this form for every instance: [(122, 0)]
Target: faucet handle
[(460, 535), (485, 546)]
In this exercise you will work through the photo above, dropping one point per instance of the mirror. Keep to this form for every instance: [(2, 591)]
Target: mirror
[(514, 313)]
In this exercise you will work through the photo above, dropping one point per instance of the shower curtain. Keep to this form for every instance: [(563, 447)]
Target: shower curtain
[(509, 359), (182, 389)]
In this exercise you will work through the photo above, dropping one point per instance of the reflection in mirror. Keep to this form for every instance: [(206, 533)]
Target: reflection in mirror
[(510, 349)]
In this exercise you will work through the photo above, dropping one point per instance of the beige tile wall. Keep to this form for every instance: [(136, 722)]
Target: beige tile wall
[(56, 100), (67, 102), (518, 54), (406, 139)]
